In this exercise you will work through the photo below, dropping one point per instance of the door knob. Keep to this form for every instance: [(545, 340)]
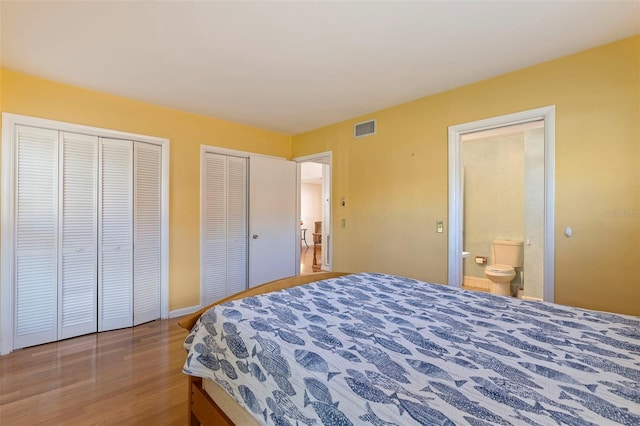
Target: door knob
[(254, 236)]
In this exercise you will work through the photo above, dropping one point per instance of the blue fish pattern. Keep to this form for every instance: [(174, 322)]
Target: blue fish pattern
[(384, 350)]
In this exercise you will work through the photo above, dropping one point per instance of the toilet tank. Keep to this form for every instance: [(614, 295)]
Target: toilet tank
[(508, 252)]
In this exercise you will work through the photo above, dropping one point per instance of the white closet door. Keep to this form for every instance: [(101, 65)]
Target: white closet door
[(36, 237), (236, 225), (77, 268), (115, 269), (224, 226), (146, 232)]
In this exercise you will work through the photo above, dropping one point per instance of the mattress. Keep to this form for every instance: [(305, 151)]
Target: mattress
[(382, 349), (235, 412)]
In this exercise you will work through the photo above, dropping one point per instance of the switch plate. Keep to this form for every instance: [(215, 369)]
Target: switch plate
[(439, 226)]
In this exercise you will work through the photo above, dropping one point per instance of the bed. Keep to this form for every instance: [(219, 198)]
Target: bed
[(379, 349)]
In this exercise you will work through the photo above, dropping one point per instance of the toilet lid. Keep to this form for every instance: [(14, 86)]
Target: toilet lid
[(500, 268)]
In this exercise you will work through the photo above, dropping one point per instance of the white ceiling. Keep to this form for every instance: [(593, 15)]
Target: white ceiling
[(296, 66)]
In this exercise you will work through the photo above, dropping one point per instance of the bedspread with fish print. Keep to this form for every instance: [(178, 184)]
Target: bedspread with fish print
[(386, 350)]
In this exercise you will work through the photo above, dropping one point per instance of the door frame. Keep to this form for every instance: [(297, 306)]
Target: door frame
[(9, 122), (547, 114), (327, 158)]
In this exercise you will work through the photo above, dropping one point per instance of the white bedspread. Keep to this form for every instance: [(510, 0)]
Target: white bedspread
[(380, 349)]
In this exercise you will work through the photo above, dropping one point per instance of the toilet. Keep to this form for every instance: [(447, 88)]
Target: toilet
[(507, 255)]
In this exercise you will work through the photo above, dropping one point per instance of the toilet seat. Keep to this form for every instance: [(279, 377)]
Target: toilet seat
[(500, 269)]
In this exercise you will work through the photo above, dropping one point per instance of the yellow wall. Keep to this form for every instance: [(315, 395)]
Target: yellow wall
[(27, 95), (395, 182)]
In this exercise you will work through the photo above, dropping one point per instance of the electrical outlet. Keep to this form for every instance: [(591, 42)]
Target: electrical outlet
[(343, 223), (439, 226)]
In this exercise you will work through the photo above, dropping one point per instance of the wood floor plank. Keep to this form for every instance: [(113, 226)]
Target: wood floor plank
[(131, 376)]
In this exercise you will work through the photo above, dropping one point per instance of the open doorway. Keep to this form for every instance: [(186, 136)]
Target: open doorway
[(457, 250), (503, 206), (314, 211)]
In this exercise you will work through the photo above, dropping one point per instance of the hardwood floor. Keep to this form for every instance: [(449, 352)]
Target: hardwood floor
[(306, 259), (124, 377)]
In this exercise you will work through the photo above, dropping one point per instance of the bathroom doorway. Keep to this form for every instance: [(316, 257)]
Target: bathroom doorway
[(314, 211), (501, 186)]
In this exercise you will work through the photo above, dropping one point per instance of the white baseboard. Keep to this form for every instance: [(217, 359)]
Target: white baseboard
[(183, 311), (535, 299), (476, 282)]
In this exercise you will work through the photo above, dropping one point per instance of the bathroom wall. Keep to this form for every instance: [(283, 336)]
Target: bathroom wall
[(493, 195), (533, 213)]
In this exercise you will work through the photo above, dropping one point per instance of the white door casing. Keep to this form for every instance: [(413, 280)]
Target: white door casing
[(324, 158), (326, 216), (455, 190)]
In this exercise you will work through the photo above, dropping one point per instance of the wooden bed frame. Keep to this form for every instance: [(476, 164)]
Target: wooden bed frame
[(202, 410)]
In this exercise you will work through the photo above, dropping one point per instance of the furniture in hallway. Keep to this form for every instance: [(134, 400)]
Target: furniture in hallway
[(317, 244), (303, 236)]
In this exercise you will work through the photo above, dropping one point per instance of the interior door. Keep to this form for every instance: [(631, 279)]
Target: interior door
[(36, 288), (78, 263), (272, 221), (115, 267), (224, 227), (147, 188)]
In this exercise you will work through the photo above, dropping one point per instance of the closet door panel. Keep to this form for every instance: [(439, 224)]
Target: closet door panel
[(146, 231), (77, 279), (214, 257), (236, 225), (115, 277), (224, 226), (36, 227)]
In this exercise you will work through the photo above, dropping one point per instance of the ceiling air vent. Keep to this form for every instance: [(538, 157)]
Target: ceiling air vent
[(366, 128)]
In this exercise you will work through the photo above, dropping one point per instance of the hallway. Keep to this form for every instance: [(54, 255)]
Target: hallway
[(306, 259)]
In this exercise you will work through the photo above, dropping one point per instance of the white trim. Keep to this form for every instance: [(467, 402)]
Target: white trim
[(8, 235), (184, 311), (9, 122), (455, 190), (203, 151), (329, 248), (233, 152), (298, 215), (164, 232), (533, 299)]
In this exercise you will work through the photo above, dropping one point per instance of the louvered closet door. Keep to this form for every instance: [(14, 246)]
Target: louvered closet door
[(224, 218), (236, 224), (115, 269), (78, 260), (146, 231), (36, 242)]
